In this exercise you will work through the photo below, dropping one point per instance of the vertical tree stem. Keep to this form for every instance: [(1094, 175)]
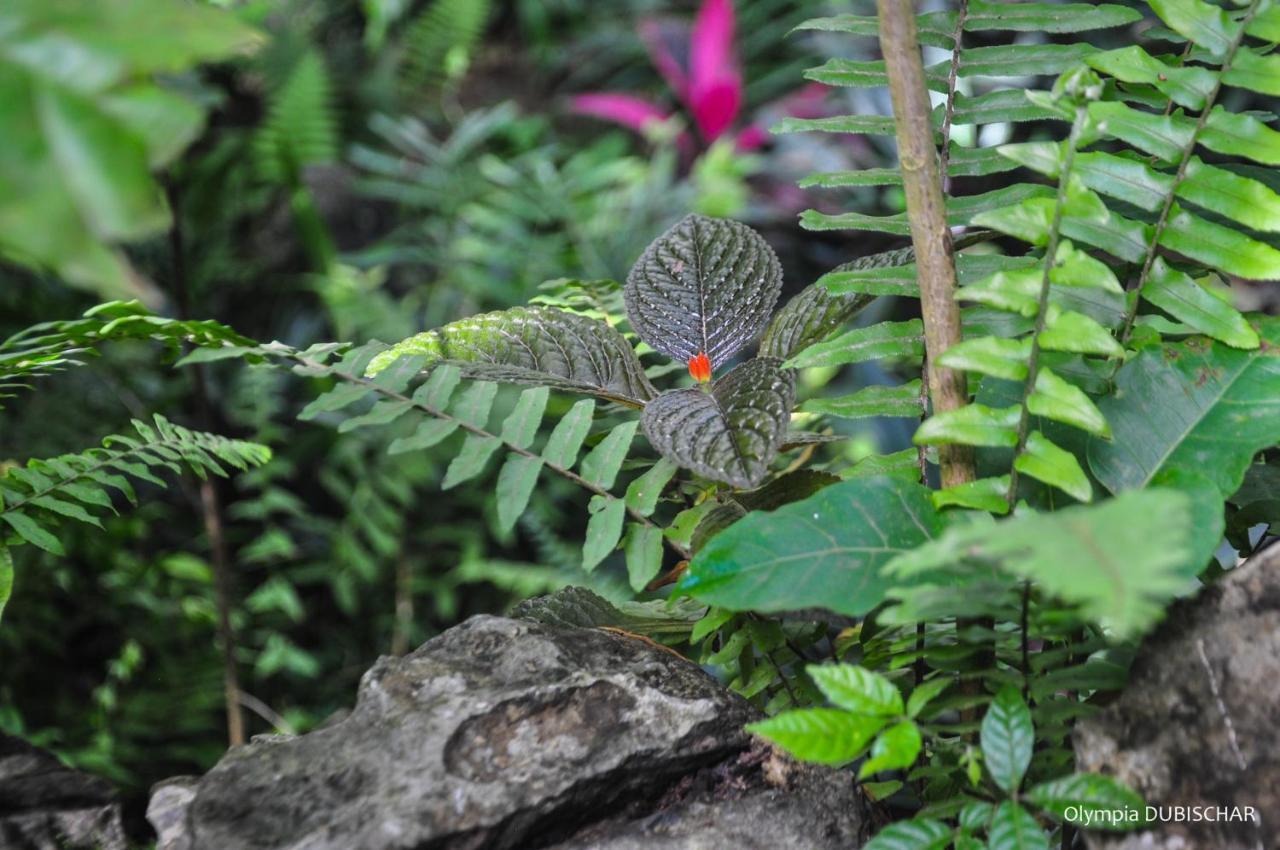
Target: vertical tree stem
[(927, 214)]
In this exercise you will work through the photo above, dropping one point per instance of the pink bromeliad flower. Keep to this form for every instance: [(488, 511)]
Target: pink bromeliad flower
[(702, 70)]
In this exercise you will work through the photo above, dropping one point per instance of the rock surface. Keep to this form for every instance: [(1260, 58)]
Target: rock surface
[(45, 805), (503, 733), (1199, 722)]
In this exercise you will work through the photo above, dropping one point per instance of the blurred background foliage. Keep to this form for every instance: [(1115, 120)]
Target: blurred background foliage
[(312, 170)]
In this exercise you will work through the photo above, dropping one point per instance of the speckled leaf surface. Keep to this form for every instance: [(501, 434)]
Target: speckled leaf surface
[(541, 346), (706, 285), (731, 433)]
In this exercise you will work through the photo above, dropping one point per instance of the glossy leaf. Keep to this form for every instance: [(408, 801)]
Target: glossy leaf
[(705, 286), (925, 693), (884, 339), (857, 689), (914, 834), (901, 400), (1007, 738), (989, 355), (1258, 72), (798, 556), (809, 318), (1227, 193), (604, 529), (896, 748), (1013, 828), (1117, 577), (822, 735), (1057, 399), (1188, 302), (1207, 25), (1195, 406), (984, 494), (1067, 330), (1239, 135), (1187, 85), (541, 346), (1219, 246), (1046, 17), (730, 434), (971, 425), (1045, 461), (1085, 795)]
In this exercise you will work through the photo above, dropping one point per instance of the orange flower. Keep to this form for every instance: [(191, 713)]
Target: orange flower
[(700, 367)]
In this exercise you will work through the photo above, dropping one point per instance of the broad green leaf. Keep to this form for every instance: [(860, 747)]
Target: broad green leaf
[(1086, 795), (985, 494), (896, 748), (1195, 406), (471, 460), (1013, 828), (521, 425), (516, 481), (1188, 86), (1266, 23), (1227, 193), (826, 551), (643, 548), (902, 400), (602, 463), (884, 339), (914, 834), (1007, 738), (1057, 399), (1188, 302), (785, 489), (976, 816), (1126, 179), (1067, 330), (971, 425), (1117, 577), (1259, 72), (1162, 136), (926, 693), (731, 433), (1207, 25), (1238, 135), (643, 492), (822, 735), (31, 531), (705, 286), (604, 528), (857, 689), (6, 577), (566, 438), (1000, 358), (1219, 246), (1045, 461), (541, 346), (428, 433)]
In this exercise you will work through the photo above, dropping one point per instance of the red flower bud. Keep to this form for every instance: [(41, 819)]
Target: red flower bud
[(700, 367)]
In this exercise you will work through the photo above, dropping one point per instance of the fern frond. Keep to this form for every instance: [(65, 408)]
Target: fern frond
[(300, 128), (438, 42), (76, 486)]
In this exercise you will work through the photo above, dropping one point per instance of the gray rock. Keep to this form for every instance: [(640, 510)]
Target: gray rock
[(45, 805), (1199, 722), (512, 734)]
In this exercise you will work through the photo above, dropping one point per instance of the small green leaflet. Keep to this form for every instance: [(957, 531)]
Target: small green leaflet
[(884, 339), (602, 463), (985, 494), (1188, 302), (516, 481), (1045, 461), (823, 735), (604, 529), (6, 577), (971, 425), (566, 438), (896, 748), (521, 425), (643, 548), (1007, 738), (643, 492), (902, 400)]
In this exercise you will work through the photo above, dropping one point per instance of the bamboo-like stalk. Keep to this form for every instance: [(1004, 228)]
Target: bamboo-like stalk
[(926, 211)]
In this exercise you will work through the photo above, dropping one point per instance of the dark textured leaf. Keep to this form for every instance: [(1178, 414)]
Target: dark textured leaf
[(579, 608), (884, 339), (1195, 406), (827, 551), (785, 489), (809, 318), (731, 433), (541, 346), (705, 286)]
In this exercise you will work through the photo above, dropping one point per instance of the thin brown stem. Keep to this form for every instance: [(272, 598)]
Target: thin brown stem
[(1162, 221), (926, 212)]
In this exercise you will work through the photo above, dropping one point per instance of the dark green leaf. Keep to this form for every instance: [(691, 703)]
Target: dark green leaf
[(604, 528), (643, 548), (516, 481), (1088, 795), (602, 463), (809, 318), (705, 286), (1007, 739), (566, 438), (730, 433), (1013, 828), (884, 339), (30, 531), (914, 834), (1188, 302)]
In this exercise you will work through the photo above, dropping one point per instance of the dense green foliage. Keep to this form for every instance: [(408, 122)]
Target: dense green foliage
[(338, 178)]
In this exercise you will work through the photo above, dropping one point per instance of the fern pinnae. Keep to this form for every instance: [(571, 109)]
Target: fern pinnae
[(1042, 306), (1188, 149)]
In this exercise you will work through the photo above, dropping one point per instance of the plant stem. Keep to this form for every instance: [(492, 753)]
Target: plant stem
[(1042, 307), (926, 210), (1026, 642), (479, 432), (1162, 221), (949, 110)]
